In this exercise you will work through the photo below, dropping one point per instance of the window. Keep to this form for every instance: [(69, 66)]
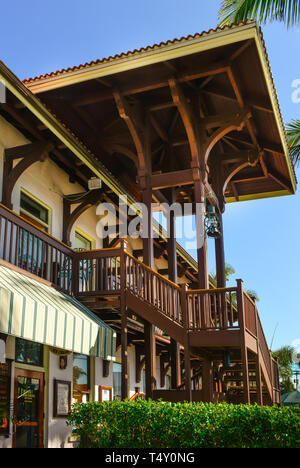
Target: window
[(28, 352), (81, 378), (33, 211), (30, 250), (117, 380), (82, 242)]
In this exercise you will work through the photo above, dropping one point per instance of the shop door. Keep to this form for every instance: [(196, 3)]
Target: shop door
[(28, 409)]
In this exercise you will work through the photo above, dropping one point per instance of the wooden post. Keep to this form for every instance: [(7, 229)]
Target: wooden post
[(207, 380), (123, 309), (244, 351), (201, 249), (172, 270), (150, 347), (187, 351), (149, 330), (148, 235), (220, 258)]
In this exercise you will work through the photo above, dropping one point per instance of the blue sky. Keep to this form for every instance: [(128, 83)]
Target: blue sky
[(261, 237)]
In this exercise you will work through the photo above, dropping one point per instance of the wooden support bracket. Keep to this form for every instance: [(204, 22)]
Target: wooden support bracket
[(28, 155), (85, 202)]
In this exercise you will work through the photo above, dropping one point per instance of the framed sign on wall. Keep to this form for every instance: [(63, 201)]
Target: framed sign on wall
[(105, 393), (62, 398)]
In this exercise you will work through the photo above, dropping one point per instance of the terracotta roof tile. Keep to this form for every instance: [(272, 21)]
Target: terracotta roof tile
[(133, 52)]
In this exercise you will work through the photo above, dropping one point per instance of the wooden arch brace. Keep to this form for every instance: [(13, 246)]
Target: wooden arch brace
[(222, 176), (28, 155), (201, 145), (188, 119), (86, 202), (138, 131)]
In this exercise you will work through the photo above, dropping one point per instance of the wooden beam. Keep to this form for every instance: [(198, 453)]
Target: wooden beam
[(188, 120), (236, 123), (172, 179), (250, 102), (159, 129), (237, 91), (143, 86), (134, 125)]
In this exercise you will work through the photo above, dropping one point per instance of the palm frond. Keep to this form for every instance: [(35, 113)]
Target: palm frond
[(287, 11), (293, 132)]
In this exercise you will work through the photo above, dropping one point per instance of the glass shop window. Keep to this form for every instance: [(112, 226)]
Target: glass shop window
[(28, 352), (81, 378), (117, 380)]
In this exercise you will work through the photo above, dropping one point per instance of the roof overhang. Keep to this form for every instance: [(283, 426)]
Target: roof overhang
[(34, 105), (172, 50)]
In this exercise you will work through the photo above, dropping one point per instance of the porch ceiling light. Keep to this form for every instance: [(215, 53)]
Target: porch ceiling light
[(212, 223)]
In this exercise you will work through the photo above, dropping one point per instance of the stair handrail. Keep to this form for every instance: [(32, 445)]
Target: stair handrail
[(155, 273)]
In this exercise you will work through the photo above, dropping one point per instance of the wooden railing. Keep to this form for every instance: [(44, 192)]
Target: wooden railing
[(27, 247), (213, 309), (265, 352), (250, 314), (97, 272), (153, 288)]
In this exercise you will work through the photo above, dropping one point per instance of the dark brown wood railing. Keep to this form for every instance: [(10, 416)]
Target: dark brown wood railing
[(213, 309), (153, 288), (27, 247), (265, 352), (250, 314), (98, 272)]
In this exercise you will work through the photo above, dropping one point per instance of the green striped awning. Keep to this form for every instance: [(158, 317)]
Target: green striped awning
[(37, 312)]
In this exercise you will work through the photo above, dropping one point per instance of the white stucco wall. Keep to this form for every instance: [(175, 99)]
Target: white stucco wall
[(58, 432)]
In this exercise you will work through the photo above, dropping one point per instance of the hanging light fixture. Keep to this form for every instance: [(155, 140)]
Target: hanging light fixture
[(212, 223)]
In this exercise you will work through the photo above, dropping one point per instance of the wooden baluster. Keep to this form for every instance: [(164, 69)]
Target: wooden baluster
[(27, 250), (161, 295), (47, 272), (5, 239), (231, 309), (38, 243), (11, 243), (17, 245)]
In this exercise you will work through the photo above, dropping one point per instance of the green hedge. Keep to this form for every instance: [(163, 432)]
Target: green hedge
[(149, 424)]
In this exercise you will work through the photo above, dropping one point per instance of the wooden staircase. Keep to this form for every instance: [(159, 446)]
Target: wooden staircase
[(201, 320)]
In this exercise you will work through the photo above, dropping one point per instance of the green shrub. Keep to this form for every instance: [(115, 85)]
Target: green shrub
[(150, 424)]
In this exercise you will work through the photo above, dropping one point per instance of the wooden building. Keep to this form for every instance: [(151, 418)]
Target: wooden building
[(194, 120)]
